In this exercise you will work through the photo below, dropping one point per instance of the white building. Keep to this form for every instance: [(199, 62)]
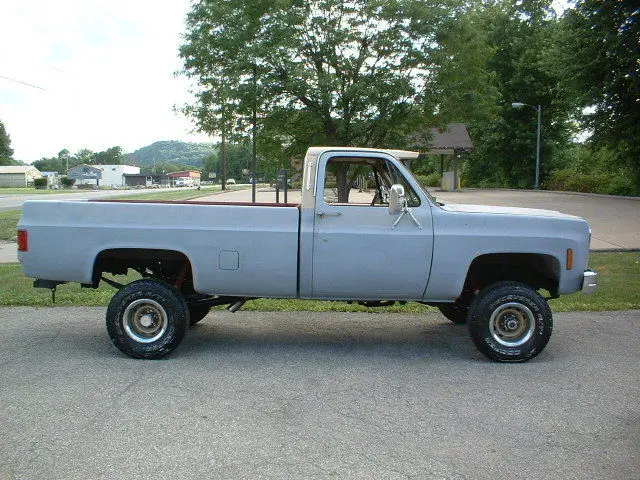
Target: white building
[(110, 175), (18, 176)]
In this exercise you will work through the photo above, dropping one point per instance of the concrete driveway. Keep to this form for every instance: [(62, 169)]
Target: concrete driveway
[(322, 395)]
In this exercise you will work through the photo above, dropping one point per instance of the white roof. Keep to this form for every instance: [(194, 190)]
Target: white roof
[(399, 154), (17, 169)]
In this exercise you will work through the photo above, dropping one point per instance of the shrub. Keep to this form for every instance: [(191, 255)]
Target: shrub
[(40, 183), (67, 182), (431, 180), (569, 180)]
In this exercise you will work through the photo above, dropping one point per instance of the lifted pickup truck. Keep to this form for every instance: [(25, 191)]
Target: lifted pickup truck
[(365, 231)]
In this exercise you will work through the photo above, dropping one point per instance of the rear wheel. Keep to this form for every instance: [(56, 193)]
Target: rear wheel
[(147, 318), (510, 322)]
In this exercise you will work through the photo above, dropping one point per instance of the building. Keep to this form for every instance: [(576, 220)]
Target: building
[(186, 178), (145, 179), (18, 176), (101, 175), (53, 179)]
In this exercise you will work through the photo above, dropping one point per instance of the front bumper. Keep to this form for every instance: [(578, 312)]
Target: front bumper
[(589, 282)]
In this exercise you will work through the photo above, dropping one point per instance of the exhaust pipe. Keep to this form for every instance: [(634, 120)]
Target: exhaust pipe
[(234, 307)]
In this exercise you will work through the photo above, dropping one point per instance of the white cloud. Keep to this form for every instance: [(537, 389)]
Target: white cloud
[(107, 70)]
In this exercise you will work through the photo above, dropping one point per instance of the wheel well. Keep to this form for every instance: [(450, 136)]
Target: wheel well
[(169, 265), (533, 269)]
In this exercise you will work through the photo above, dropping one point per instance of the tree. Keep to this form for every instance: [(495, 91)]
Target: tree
[(326, 71), (600, 59), (523, 38), (82, 157), (111, 156), (6, 152)]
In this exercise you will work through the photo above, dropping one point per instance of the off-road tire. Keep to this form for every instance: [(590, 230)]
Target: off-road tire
[(197, 313), (147, 319), (455, 312), (510, 322)]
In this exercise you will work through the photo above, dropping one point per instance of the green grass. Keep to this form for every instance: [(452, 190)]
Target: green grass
[(619, 289), (8, 224)]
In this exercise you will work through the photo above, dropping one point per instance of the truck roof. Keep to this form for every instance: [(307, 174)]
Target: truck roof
[(399, 154)]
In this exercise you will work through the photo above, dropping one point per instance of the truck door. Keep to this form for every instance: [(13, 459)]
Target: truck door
[(358, 253)]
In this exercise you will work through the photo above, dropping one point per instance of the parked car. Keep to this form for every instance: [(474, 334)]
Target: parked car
[(231, 181), (481, 265)]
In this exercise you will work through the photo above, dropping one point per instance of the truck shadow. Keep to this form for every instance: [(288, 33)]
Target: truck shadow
[(436, 338)]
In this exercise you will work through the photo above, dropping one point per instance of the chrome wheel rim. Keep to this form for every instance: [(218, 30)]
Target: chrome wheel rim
[(145, 320), (512, 324)]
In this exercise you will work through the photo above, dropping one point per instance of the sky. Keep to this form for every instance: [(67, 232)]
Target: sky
[(105, 72)]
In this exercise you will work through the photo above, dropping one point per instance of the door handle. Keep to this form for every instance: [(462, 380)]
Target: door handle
[(331, 214)]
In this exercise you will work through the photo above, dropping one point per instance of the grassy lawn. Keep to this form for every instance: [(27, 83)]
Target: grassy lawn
[(8, 222), (619, 289)]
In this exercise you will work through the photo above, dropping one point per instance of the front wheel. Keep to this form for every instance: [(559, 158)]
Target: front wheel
[(510, 322), (147, 319)]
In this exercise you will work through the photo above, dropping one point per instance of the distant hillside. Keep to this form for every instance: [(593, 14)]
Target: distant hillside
[(172, 151)]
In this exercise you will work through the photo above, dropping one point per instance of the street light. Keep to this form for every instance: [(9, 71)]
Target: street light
[(539, 110)]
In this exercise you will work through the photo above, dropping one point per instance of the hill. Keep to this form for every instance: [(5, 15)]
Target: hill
[(172, 151)]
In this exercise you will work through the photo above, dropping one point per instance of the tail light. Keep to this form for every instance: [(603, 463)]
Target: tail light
[(23, 240)]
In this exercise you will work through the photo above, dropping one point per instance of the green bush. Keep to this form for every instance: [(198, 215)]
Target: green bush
[(431, 180), (569, 180), (40, 182), (67, 182)]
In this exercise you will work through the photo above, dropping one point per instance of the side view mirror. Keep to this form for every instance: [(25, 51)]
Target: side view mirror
[(396, 199)]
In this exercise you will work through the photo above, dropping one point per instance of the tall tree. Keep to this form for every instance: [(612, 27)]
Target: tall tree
[(600, 55), (522, 36), (328, 71), (110, 156), (6, 152)]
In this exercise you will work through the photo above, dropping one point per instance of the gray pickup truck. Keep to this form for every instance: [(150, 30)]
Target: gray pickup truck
[(365, 231)]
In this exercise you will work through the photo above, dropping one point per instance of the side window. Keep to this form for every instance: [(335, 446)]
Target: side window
[(349, 182), (363, 181)]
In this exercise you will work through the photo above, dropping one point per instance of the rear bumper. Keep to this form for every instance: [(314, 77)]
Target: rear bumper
[(589, 282)]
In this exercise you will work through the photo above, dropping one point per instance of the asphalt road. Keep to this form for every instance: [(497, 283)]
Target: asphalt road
[(301, 395)]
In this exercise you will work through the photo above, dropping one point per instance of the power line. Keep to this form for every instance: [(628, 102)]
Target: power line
[(23, 83)]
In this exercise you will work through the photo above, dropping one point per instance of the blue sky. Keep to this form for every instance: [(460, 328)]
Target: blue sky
[(106, 70)]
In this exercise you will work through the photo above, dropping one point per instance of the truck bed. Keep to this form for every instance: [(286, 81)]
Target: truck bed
[(234, 249)]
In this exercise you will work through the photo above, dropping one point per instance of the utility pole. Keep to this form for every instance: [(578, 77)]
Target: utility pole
[(254, 121), (223, 160)]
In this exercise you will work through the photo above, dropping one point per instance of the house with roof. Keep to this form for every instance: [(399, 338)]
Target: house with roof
[(18, 176)]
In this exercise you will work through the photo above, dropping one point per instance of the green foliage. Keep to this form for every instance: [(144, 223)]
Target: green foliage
[(600, 65), (570, 180), (40, 182), (8, 224), (6, 152), (111, 156), (172, 152), (431, 180), (67, 182), (318, 71)]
